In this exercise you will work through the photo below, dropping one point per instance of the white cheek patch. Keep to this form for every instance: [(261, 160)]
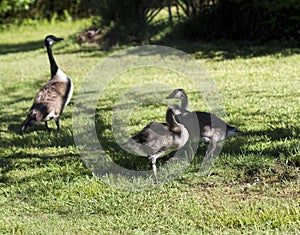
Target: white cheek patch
[(50, 41)]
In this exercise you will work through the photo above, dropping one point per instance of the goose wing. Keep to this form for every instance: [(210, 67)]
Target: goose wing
[(153, 138), (51, 98)]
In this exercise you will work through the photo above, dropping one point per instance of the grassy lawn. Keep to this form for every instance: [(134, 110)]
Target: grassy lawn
[(253, 188)]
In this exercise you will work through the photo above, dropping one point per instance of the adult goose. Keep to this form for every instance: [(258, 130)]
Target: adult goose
[(159, 139), (51, 99), (202, 125)]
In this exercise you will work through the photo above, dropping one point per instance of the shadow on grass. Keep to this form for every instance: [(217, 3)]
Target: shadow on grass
[(161, 32), (279, 133), (224, 49), (27, 95), (200, 49), (12, 119), (278, 161), (218, 50), (66, 166), (37, 137), (279, 142), (118, 155), (284, 146), (17, 158), (20, 47)]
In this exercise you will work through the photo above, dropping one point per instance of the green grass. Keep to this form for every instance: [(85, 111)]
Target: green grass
[(253, 188)]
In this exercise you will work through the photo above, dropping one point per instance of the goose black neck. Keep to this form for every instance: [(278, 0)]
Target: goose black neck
[(170, 118), (184, 102), (53, 65)]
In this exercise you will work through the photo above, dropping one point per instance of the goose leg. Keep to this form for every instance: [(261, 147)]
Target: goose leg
[(46, 124), (57, 124), (153, 158), (208, 159), (194, 147), (154, 172), (211, 149)]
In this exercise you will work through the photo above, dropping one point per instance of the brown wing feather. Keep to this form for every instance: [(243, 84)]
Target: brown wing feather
[(51, 96)]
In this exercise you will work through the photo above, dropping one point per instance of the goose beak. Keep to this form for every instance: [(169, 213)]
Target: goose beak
[(59, 39), (169, 96)]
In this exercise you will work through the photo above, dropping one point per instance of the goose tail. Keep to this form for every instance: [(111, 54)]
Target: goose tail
[(232, 131), (134, 147)]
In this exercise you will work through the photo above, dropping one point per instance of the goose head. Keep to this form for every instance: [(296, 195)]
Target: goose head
[(177, 94), (29, 121), (51, 39), (27, 124), (180, 94)]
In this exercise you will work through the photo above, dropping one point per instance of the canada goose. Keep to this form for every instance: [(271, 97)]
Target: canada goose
[(207, 127), (159, 139), (53, 96)]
